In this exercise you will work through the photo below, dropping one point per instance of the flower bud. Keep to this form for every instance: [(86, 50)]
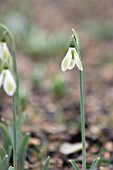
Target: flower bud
[(72, 42)]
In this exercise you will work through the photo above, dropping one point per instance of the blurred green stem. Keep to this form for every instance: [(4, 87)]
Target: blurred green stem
[(14, 133)]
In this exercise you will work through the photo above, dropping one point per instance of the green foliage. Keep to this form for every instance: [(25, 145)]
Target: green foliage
[(4, 158), (58, 86), (20, 28), (22, 142), (74, 165), (7, 138), (104, 162), (95, 164), (100, 30), (4, 163), (37, 76), (46, 166), (22, 151), (36, 42), (23, 97), (40, 44), (2, 152)]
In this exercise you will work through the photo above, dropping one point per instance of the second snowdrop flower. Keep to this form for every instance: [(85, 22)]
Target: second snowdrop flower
[(72, 58), (4, 51), (8, 82), (5, 55)]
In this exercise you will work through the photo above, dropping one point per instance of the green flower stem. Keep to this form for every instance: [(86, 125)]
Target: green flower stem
[(17, 93), (82, 121), (14, 133), (77, 42), (15, 99)]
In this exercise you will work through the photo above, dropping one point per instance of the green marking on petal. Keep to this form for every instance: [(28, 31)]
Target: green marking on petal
[(72, 64), (9, 87), (5, 55), (72, 53)]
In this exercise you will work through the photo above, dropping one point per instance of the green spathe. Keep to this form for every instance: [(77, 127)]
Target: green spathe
[(72, 42)]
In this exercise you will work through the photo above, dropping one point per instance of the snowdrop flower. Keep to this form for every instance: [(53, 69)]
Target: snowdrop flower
[(5, 55), (4, 51), (71, 59), (8, 82)]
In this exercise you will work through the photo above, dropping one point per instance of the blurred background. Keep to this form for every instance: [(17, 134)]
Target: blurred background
[(50, 98)]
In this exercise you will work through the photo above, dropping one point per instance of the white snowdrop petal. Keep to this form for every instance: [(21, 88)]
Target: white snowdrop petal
[(66, 61), (9, 84), (1, 78), (4, 51), (77, 60), (1, 51), (72, 64)]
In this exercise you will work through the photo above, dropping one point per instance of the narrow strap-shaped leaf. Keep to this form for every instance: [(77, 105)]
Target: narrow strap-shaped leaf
[(46, 166), (4, 163), (5, 138), (18, 139), (95, 164), (10, 168), (22, 151), (2, 152), (10, 151), (74, 165)]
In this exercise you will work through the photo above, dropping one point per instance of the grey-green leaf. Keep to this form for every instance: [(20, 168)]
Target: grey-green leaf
[(4, 163), (10, 152), (46, 166), (74, 165), (22, 151), (2, 152), (5, 138), (95, 164)]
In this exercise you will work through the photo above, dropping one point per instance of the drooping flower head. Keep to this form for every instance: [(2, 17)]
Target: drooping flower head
[(8, 82), (72, 58), (6, 77)]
